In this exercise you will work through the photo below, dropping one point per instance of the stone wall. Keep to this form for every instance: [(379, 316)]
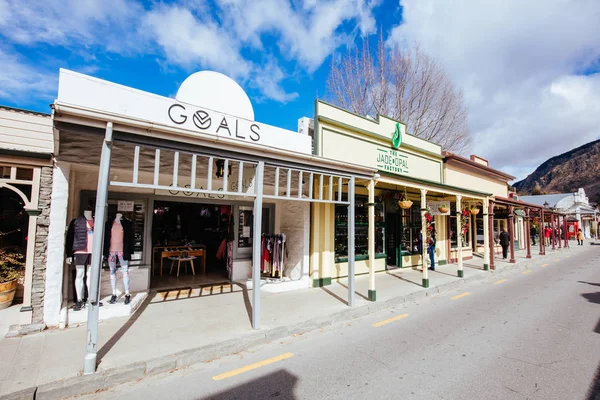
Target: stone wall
[(41, 247)]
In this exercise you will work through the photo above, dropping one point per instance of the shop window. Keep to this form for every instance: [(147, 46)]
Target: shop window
[(479, 226), (25, 174), (410, 229), (134, 211), (246, 225), (361, 234)]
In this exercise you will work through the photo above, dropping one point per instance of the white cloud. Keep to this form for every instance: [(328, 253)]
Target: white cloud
[(518, 64), (21, 82), (236, 37)]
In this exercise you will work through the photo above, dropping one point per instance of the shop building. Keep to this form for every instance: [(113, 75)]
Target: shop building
[(26, 148), (389, 233), (206, 188), (580, 213)]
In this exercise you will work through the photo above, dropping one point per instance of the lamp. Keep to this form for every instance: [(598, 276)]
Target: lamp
[(546, 205), (221, 169)]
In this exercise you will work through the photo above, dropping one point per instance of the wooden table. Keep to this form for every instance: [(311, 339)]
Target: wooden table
[(177, 251)]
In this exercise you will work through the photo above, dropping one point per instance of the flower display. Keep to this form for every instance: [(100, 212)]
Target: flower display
[(464, 225)]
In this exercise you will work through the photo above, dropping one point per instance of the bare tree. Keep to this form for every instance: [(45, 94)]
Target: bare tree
[(409, 86)]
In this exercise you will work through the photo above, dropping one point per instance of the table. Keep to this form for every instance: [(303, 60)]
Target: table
[(177, 251)]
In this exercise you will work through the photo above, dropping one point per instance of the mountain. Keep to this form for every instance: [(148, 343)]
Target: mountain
[(566, 173)]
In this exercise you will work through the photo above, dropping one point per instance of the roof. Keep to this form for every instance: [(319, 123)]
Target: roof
[(551, 199), (22, 111), (448, 156)]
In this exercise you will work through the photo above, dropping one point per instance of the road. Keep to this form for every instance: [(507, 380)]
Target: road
[(532, 335)]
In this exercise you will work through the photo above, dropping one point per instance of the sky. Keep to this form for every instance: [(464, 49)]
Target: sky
[(529, 70)]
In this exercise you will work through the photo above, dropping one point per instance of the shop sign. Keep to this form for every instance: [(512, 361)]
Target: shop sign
[(435, 207), (397, 137), (247, 189), (212, 122), (163, 112), (392, 161)]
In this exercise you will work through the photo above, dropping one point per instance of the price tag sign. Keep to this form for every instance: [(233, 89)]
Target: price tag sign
[(125, 205)]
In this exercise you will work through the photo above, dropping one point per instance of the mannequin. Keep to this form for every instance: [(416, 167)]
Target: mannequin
[(78, 248), (118, 245)]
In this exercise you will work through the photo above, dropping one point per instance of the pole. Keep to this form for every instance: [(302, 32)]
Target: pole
[(89, 363), (351, 251), (542, 233), (566, 230), (511, 232), (528, 233), (256, 244), (372, 293), (559, 228), (486, 234), (553, 235), (424, 236), (459, 231), (492, 242)]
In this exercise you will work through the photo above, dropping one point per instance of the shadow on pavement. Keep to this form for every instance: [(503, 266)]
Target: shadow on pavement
[(594, 390), (404, 279), (119, 334), (329, 292), (279, 385)]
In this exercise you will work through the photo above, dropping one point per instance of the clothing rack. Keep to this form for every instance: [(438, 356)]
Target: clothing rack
[(273, 255)]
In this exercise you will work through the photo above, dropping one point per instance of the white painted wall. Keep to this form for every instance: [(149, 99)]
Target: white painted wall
[(56, 245)]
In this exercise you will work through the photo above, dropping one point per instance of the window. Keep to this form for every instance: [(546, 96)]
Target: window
[(361, 233)]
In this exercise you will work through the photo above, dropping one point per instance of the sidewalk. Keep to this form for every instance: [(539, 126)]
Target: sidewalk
[(181, 330)]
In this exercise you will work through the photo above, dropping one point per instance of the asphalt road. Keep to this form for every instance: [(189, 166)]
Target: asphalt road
[(535, 335)]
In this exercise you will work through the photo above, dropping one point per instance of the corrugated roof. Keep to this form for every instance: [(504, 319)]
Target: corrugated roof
[(552, 199)]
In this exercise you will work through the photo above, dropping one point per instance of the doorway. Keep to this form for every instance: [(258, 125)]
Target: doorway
[(191, 243)]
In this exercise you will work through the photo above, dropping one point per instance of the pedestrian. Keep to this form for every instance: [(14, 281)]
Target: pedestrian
[(580, 238), (431, 249), (504, 242), (533, 233), (547, 234)]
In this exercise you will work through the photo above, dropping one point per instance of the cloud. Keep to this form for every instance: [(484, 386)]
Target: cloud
[(72, 23), (20, 82), (519, 64), (234, 37)]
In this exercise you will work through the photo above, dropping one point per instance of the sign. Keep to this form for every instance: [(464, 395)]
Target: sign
[(392, 161), (435, 207), (74, 89), (125, 205), (397, 137)]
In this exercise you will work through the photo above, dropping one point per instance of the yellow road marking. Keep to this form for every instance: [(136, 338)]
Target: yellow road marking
[(252, 367), (460, 295), (527, 272), (500, 281), (387, 321), (558, 259), (545, 265)]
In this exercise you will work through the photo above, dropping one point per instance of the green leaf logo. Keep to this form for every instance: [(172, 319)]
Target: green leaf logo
[(397, 137)]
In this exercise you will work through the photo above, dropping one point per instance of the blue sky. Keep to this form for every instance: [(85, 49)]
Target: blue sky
[(529, 71)]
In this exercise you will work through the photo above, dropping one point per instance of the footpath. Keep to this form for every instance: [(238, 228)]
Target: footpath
[(167, 333)]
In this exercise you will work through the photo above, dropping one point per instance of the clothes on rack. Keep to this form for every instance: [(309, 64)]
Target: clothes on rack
[(273, 254)]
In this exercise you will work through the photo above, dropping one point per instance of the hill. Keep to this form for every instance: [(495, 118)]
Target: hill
[(566, 173)]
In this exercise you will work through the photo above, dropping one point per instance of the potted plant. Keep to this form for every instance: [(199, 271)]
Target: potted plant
[(474, 210), (443, 208), (11, 263), (404, 202)]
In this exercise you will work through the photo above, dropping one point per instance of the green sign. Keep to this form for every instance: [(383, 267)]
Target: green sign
[(392, 161), (397, 137)]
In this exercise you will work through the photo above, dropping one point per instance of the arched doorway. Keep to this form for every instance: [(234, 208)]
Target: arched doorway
[(14, 226)]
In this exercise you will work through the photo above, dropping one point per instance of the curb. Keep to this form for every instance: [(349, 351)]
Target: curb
[(107, 378)]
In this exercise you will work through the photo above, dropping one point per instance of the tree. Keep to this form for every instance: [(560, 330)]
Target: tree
[(409, 86)]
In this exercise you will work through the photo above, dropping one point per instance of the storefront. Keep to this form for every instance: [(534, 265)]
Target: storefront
[(210, 194), (407, 200), (26, 147)]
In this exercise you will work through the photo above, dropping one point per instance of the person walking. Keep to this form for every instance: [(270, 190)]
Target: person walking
[(504, 242), (533, 233), (547, 234), (580, 237), (431, 249)]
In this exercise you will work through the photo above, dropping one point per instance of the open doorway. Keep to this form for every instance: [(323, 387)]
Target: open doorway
[(191, 244)]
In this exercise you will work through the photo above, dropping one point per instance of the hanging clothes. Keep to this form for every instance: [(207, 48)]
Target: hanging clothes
[(273, 254)]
